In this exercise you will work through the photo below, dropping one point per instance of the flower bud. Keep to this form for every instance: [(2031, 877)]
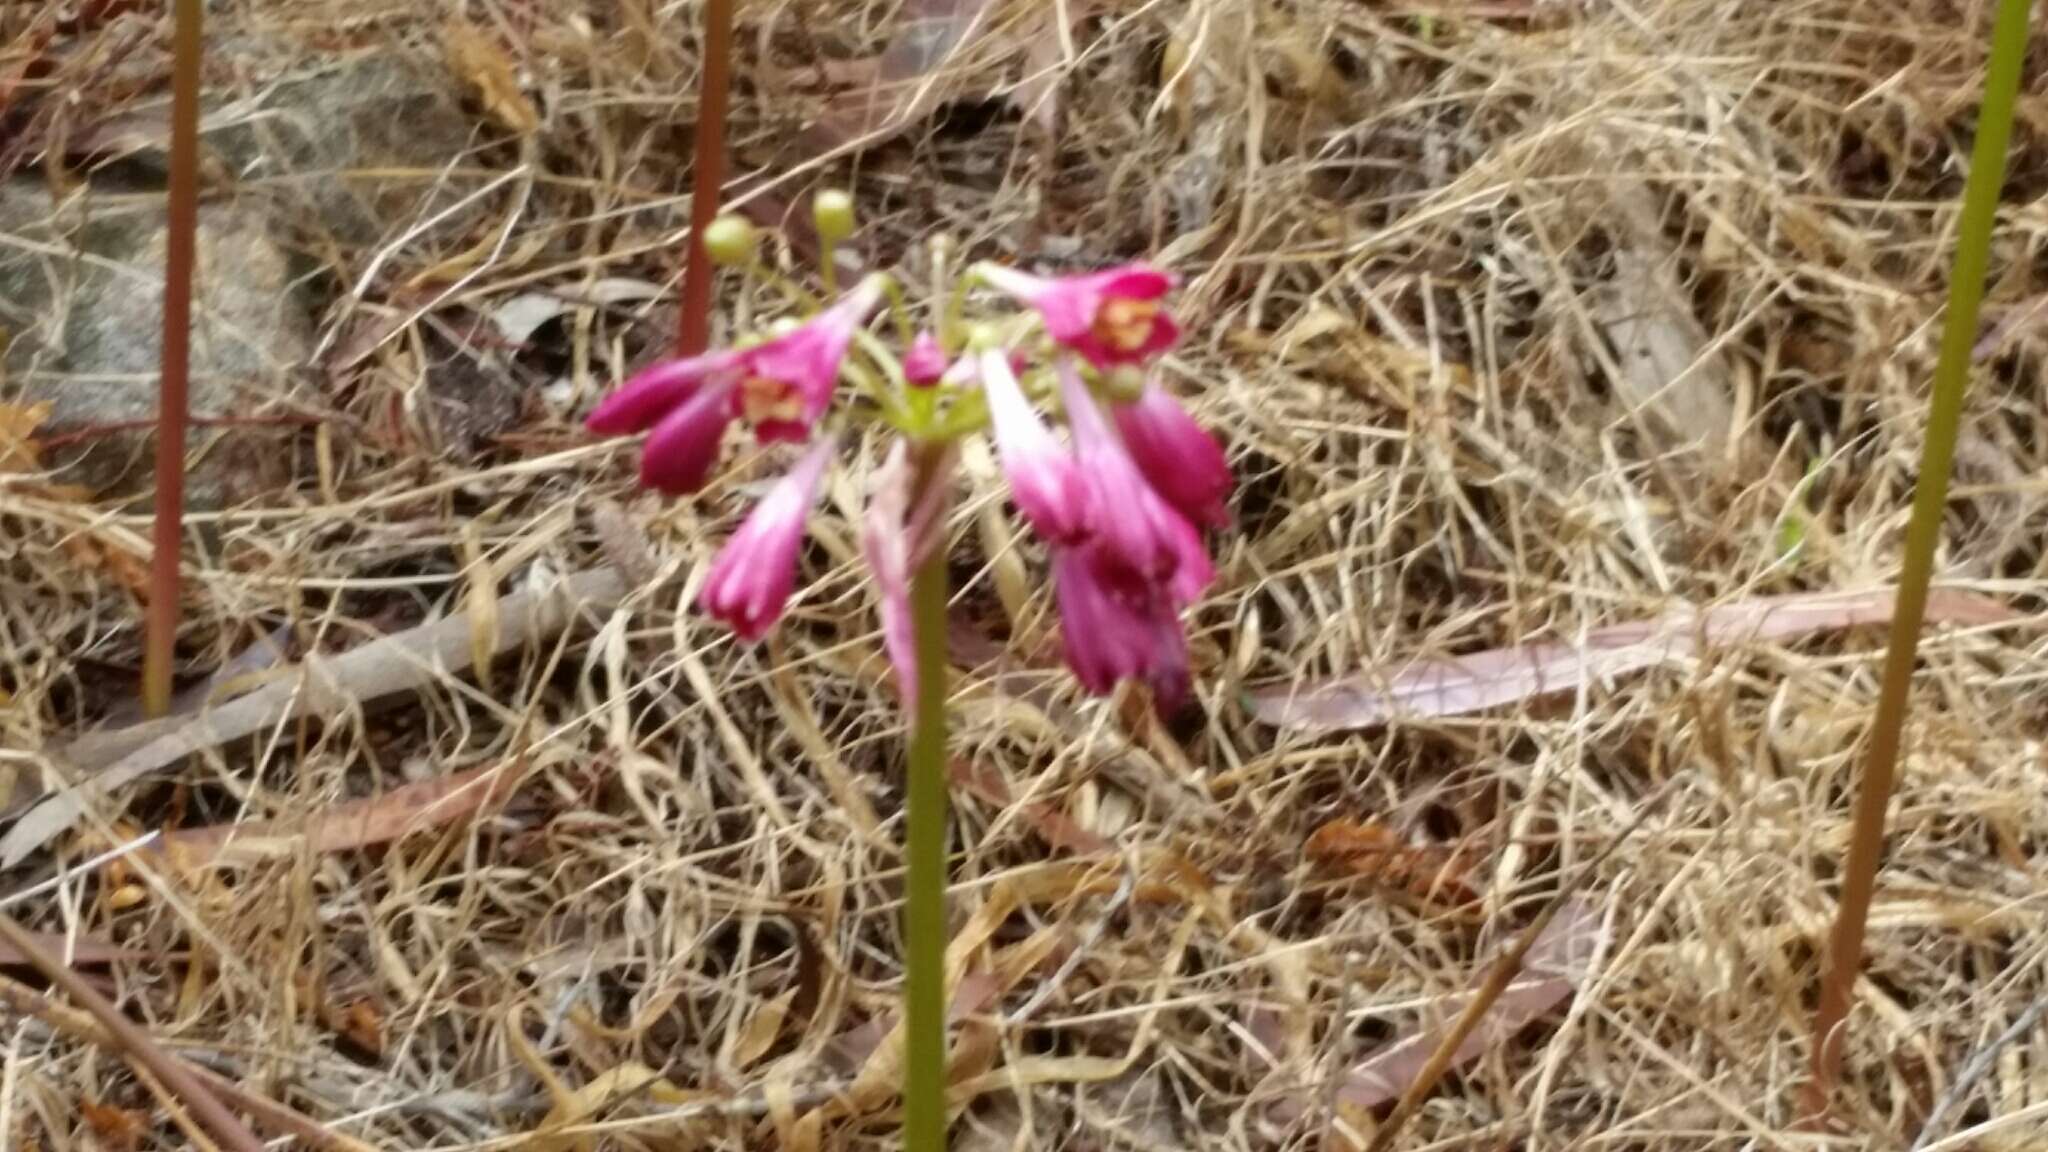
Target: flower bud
[(832, 213), (729, 240)]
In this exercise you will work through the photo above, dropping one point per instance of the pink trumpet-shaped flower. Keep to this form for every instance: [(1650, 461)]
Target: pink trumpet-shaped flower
[(781, 385), (787, 382), (924, 363), (1046, 481), (1111, 317), (1181, 461), (1108, 633), (1136, 531), (753, 575)]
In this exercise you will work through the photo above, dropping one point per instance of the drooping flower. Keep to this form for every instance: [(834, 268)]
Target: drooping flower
[(1135, 528), (1111, 317), (924, 362), (753, 575), (1178, 457), (1109, 632), (1046, 480), (787, 382)]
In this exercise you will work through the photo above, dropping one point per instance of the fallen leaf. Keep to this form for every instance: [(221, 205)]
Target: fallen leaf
[(1558, 962), (116, 1129), (1457, 685), (1664, 364), (480, 62), (18, 424), (356, 824), (519, 317), (323, 688), (1369, 850)]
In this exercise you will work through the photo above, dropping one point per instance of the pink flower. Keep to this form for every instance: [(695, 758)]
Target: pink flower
[(1109, 634), (1111, 317), (787, 383), (925, 362), (782, 385), (753, 575), (1182, 462), (1139, 539), (1045, 479)]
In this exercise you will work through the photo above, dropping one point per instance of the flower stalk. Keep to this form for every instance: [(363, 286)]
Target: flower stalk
[(924, 1120)]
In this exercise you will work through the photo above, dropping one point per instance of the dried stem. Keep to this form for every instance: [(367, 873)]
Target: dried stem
[(175, 368), (1923, 534), (693, 331), (924, 1120), (135, 1043)]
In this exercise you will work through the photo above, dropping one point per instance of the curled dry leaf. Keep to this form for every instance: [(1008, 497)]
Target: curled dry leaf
[(1370, 850), (357, 824), (1456, 685)]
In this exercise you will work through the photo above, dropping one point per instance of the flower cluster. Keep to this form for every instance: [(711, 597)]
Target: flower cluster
[(1120, 504)]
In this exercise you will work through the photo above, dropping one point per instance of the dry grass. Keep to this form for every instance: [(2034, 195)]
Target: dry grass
[(1410, 236)]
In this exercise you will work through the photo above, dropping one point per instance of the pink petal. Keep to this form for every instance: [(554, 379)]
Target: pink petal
[(1181, 461), (1134, 527), (678, 457), (1046, 482), (652, 392), (807, 360), (754, 574)]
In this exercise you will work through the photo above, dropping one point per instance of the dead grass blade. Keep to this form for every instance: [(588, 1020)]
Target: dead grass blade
[(80, 951), (1457, 685), (325, 688)]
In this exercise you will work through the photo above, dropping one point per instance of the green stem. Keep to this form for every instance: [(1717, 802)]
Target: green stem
[(924, 1118), (1923, 534)]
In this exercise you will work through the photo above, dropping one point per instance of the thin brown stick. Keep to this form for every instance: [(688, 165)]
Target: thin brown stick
[(1498, 978), (173, 384), (135, 1043), (693, 331)]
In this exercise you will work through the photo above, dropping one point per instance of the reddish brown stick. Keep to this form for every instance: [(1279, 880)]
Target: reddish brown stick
[(172, 387), (134, 1042), (693, 331)]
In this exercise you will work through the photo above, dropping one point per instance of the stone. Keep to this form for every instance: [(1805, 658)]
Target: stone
[(348, 150), (81, 296)]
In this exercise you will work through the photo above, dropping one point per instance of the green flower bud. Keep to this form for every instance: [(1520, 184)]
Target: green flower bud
[(832, 212), (729, 240)]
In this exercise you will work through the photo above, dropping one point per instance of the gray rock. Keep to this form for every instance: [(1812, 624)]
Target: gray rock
[(349, 150), (81, 294)]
